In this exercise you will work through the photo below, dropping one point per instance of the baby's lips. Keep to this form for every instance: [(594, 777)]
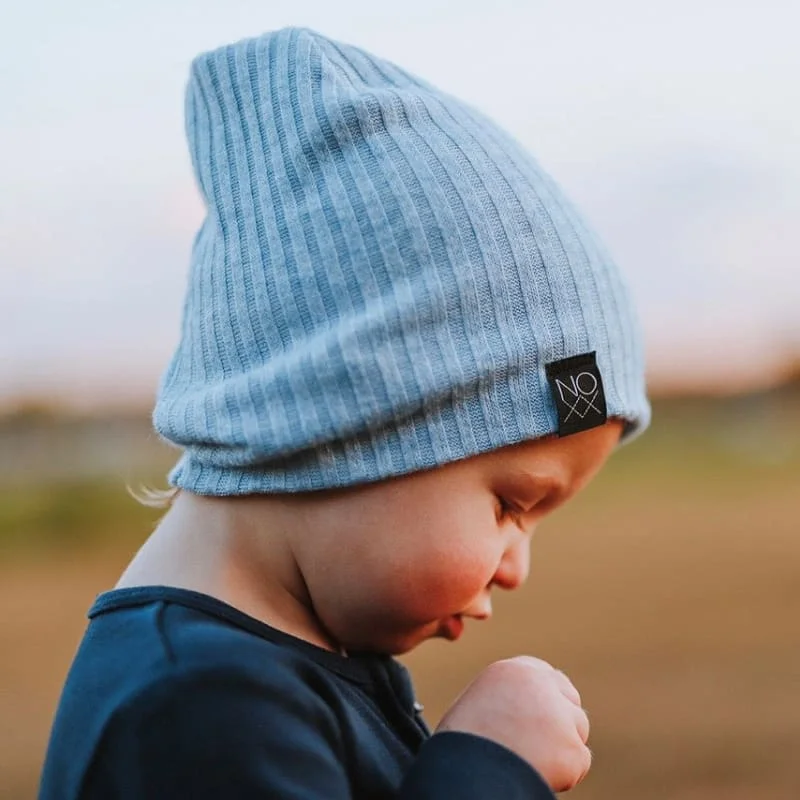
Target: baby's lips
[(452, 627)]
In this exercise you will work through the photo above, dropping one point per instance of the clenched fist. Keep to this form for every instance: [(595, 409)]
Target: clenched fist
[(531, 708)]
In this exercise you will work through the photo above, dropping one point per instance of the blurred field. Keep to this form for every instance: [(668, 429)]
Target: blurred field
[(669, 591)]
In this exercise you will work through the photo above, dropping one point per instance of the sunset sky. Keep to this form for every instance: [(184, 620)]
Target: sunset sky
[(674, 126)]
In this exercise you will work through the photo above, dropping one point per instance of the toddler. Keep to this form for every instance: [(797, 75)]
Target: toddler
[(400, 350)]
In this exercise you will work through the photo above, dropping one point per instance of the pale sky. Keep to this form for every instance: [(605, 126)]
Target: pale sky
[(675, 127)]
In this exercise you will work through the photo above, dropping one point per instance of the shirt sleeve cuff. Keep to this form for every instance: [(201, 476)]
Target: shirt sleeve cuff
[(463, 765)]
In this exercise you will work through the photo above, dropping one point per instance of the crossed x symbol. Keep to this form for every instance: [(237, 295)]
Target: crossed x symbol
[(573, 407)]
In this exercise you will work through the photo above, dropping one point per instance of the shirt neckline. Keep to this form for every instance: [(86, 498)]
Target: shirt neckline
[(359, 667)]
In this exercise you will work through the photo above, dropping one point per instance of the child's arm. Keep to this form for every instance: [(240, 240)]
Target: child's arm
[(466, 766), (207, 734)]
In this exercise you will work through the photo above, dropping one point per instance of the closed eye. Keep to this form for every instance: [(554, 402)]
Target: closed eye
[(507, 509)]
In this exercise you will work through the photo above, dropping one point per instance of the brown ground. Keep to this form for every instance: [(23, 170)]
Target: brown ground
[(671, 597)]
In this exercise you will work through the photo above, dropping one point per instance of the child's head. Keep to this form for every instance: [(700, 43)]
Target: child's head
[(386, 282)]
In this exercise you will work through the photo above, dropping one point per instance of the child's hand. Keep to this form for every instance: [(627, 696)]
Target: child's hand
[(533, 709)]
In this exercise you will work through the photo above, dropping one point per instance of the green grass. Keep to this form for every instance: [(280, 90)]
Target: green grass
[(69, 514)]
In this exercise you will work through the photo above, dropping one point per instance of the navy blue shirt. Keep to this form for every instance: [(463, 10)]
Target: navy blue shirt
[(174, 694)]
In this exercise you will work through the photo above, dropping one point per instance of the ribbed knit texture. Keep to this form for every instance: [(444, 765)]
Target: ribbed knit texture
[(380, 279)]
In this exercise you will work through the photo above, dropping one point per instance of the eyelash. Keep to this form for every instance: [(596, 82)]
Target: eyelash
[(507, 510)]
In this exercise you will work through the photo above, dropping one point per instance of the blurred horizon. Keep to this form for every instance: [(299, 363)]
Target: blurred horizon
[(138, 398)]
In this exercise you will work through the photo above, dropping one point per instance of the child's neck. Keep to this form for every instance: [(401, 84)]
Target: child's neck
[(222, 549)]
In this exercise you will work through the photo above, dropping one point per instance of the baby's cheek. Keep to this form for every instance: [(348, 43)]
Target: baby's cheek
[(446, 585)]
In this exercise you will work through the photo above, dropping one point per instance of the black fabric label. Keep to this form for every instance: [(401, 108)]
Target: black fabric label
[(578, 391)]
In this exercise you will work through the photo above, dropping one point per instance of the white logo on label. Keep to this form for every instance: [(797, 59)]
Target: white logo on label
[(583, 391)]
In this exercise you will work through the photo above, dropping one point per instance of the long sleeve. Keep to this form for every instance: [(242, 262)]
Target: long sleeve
[(470, 767), (209, 735)]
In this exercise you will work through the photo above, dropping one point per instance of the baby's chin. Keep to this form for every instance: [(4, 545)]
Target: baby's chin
[(399, 643)]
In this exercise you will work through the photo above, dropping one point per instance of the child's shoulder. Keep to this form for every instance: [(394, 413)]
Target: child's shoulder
[(162, 634), (165, 677)]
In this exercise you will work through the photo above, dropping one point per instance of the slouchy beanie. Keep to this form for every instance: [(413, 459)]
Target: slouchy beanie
[(385, 281)]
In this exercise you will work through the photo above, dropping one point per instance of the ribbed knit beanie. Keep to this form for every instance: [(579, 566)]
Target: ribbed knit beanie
[(385, 281)]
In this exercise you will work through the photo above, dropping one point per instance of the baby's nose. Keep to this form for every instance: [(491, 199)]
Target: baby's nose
[(515, 565)]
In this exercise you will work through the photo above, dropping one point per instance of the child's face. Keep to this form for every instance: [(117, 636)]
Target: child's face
[(391, 564)]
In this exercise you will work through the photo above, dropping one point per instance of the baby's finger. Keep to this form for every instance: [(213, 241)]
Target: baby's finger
[(532, 661), (577, 768), (582, 724), (588, 764), (567, 687)]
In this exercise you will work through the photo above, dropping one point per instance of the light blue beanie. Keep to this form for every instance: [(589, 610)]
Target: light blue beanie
[(385, 281)]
